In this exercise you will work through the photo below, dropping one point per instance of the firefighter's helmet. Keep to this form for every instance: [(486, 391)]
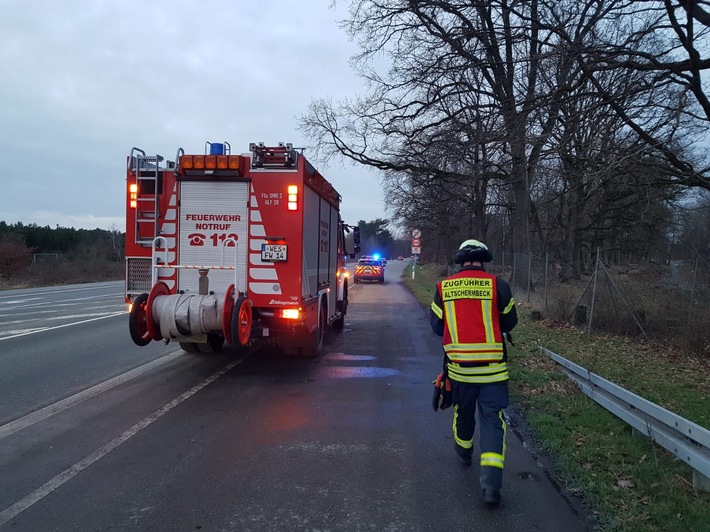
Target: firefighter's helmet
[(472, 251)]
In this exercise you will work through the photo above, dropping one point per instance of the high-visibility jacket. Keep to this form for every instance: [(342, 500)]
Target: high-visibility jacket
[(471, 310)]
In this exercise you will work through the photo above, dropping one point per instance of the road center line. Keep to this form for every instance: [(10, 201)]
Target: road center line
[(59, 406), (44, 329), (37, 495)]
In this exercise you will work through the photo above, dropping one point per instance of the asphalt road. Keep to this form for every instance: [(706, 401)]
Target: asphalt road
[(99, 434)]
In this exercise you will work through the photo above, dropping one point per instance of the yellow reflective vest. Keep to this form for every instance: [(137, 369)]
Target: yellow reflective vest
[(471, 311)]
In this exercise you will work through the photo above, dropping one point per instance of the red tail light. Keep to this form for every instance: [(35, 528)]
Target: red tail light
[(290, 313)]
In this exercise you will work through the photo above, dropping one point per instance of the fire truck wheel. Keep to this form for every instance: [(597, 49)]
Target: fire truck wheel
[(241, 322), (315, 339), (227, 311), (137, 324), (159, 289), (189, 347), (340, 322), (214, 344)]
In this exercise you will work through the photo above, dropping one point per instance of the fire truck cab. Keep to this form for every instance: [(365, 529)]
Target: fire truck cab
[(236, 248)]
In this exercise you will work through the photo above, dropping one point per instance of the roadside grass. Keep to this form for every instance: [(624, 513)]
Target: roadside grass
[(626, 482), (64, 272)]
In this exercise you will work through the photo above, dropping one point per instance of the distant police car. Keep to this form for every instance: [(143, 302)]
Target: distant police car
[(369, 270)]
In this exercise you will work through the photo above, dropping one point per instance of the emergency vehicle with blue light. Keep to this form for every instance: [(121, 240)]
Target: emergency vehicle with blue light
[(369, 269)]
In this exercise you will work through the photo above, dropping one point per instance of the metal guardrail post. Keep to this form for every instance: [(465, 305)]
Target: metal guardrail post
[(687, 440)]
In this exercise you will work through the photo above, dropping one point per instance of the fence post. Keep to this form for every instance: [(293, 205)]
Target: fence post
[(594, 293), (692, 290), (547, 259), (529, 274)]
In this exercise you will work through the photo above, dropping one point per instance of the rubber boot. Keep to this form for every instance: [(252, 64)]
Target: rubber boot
[(464, 454)]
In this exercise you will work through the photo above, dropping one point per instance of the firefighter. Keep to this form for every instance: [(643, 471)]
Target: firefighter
[(473, 310)]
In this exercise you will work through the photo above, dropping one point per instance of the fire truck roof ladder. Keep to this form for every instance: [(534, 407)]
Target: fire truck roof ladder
[(281, 156), (147, 171)]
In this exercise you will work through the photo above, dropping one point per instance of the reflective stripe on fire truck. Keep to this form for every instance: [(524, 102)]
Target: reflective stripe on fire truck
[(259, 271)]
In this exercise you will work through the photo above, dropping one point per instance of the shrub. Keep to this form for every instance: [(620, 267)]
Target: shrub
[(15, 257)]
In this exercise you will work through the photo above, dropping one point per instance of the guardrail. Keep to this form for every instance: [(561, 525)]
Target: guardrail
[(687, 440)]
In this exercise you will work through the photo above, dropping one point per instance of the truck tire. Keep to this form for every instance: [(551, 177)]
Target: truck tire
[(339, 323), (315, 339), (137, 324), (189, 347), (214, 344), (241, 322)]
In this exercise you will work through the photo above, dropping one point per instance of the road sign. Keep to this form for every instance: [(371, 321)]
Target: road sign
[(416, 250), (416, 233), (416, 242)]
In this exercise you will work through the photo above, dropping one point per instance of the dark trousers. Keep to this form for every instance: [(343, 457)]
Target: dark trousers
[(489, 400)]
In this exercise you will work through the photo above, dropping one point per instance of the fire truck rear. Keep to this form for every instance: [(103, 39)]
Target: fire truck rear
[(236, 248)]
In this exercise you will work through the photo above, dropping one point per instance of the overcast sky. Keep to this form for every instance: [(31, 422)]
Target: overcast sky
[(84, 81)]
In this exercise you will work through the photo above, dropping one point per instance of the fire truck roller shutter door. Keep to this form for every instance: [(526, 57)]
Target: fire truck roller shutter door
[(210, 214), (311, 242)]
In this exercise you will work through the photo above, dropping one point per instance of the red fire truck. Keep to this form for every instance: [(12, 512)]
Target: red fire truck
[(242, 248)]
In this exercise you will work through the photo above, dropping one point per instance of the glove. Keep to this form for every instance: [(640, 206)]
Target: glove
[(443, 397), (509, 337)]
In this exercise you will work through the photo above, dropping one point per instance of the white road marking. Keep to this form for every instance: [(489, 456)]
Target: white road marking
[(51, 314), (43, 329), (85, 315), (64, 290), (60, 406), (37, 495), (22, 332), (18, 301), (62, 302)]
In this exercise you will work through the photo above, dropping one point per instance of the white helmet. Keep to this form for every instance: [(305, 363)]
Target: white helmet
[(472, 251)]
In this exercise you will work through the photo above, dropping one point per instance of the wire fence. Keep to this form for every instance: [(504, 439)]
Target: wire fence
[(666, 301)]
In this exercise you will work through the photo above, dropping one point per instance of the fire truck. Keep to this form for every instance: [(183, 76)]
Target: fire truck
[(239, 248)]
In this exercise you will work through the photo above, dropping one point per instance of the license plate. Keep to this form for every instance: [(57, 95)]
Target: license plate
[(274, 252)]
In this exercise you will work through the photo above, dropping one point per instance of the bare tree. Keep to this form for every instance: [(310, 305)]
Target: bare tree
[(694, 229), (574, 122), (662, 41), (450, 62), (599, 170)]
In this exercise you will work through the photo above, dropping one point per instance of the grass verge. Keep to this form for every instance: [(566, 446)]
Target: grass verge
[(627, 482)]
